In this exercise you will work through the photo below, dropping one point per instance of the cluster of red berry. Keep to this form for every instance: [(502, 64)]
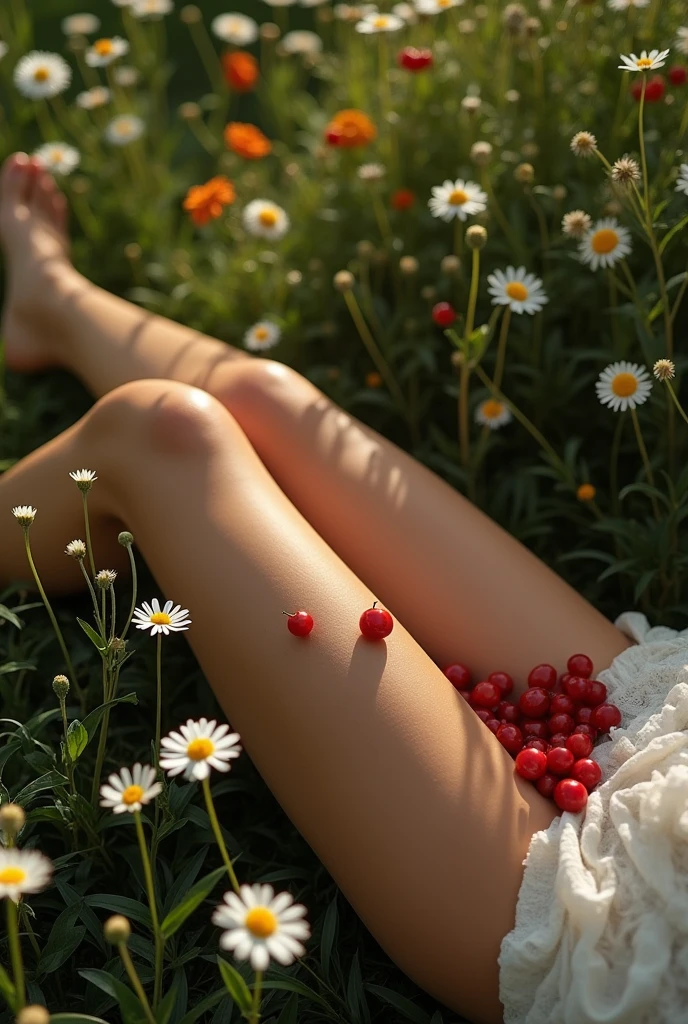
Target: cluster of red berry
[(550, 735)]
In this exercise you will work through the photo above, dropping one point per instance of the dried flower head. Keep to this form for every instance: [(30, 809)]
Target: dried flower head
[(576, 223), (76, 549), (476, 236), (626, 172), (514, 18), (451, 264), (105, 578), (664, 369), (409, 265), (344, 280), (481, 153), (524, 174), (583, 144)]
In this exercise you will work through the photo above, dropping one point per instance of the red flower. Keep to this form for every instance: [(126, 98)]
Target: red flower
[(403, 199), (415, 60), (240, 70), (654, 90), (678, 74)]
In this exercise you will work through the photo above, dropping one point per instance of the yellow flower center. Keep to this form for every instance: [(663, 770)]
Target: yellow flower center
[(624, 385), (123, 127), (12, 875), (492, 409), (458, 197), (444, 3), (380, 22), (200, 749), (261, 922), (644, 62), (160, 619), (132, 795), (103, 47), (605, 241), (41, 75), (268, 218), (261, 334), (516, 290)]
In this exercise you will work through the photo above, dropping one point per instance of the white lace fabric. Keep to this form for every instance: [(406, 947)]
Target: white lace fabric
[(601, 933)]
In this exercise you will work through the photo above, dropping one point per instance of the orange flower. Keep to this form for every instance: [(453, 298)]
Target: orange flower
[(402, 199), (240, 70), (373, 379), (350, 128), (206, 202), (246, 140), (586, 492)]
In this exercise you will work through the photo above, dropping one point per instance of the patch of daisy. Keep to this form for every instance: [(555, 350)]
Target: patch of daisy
[(58, 157), (605, 244), (80, 24), (377, 22), (93, 98), (520, 291), (238, 29), (645, 62), (171, 618), (41, 75), (265, 219), (302, 41), (124, 129), (262, 336), (458, 198), (260, 926), (436, 6), (151, 8), (22, 871), (493, 414), (105, 51), (130, 791), (198, 747), (623, 386), (682, 180)]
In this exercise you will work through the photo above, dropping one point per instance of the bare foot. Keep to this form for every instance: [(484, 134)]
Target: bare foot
[(35, 243)]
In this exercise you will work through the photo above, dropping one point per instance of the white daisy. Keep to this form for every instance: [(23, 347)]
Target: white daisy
[(198, 747), (406, 11), (265, 219), (262, 336), (58, 157), (605, 244), (76, 549), (84, 478), (126, 76), (682, 180), (623, 386), (80, 24), (682, 40), (436, 6), (624, 5), (22, 871), (371, 172), (124, 129), (458, 198), (3, 49), (24, 514), (170, 619), (151, 8), (105, 51), (377, 22), (98, 96), (40, 75), (280, 3), (493, 414), (238, 29), (302, 41), (645, 62), (130, 790), (261, 926), (521, 292)]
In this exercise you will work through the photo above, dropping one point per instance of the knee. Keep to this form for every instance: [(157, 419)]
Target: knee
[(167, 417), (256, 387)]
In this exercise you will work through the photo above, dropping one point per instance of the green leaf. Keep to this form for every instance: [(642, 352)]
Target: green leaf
[(291, 985), (77, 739), (48, 781), (289, 1014), (132, 1011), (92, 720), (205, 1004), (17, 666), (670, 234), (409, 1010), (329, 935), (95, 638), (194, 897), (355, 996), (9, 616), (70, 939), (235, 985), (75, 1018), (7, 988), (162, 1014), (121, 905)]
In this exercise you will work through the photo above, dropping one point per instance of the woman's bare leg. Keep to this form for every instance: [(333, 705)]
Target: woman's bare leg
[(411, 804), (462, 586)]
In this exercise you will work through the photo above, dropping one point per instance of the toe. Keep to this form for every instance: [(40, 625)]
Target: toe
[(13, 179), (43, 193), (59, 208), (34, 171)]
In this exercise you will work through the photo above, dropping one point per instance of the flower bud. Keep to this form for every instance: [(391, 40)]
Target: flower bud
[(524, 174), (364, 248), (270, 31), (409, 265), (117, 929), (61, 687), (429, 293), (133, 251), (450, 265), (476, 236), (586, 492), (105, 578), (12, 819), (35, 1014), (481, 153), (76, 549), (125, 538), (190, 14), (189, 111), (344, 281)]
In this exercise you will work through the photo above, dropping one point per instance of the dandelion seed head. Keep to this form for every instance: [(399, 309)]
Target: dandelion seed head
[(583, 144), (664, 369)]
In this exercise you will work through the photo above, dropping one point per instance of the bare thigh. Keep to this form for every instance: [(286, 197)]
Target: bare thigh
[(408, 800)]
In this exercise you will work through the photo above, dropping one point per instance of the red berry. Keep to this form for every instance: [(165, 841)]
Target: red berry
[(583, 715), (503, 681), (579, 745), (563, 680), (413, 59), (536, 728), (537, 744), (458, 675), (531, 764), (570, 795), (534, 702), (402, 199), (588, 772), (605, 716), (484, 714), (511, 737), (586, 730), (544, 676), (654, 90), (443, 314), (578, 688), (678, 74), (560, 761), (580, 665), (508, 712), (300, 623), (597, 693), (376, 623), (493, 725), (466, 694), (486, 695), (561, 723), (546, 783), (561, 704), (558, 739)]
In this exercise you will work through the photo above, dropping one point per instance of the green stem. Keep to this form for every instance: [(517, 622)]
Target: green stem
[(464, 437), (215, 825), (100, 756), (134, 584), (101, 625), (46, 602), (89, 546), (501, 348), (114, 613), (158, 699), (646, 461), (15, 954), (68, 759), (255, 1009), (614, 465), (676, 401), (135, 981), (150, 889), (473, 294), (373, 349)]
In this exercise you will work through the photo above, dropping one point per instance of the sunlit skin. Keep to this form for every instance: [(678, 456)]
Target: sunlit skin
[(249, 492)]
